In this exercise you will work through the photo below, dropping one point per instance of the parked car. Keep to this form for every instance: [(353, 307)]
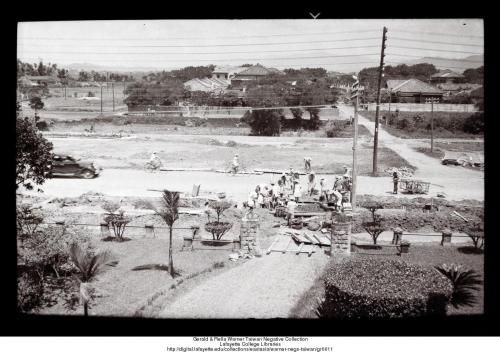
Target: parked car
[(450, 161), (65, 165)]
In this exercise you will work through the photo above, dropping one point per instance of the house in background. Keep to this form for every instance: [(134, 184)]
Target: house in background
[(210, 85), (447, 76), (412, 91), (44, 80), (226, 72)]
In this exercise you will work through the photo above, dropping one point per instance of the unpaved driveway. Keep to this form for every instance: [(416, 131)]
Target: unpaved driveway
[(457, 182), (266, 287)]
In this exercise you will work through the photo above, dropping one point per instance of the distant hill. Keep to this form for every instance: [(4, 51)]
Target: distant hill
[(457, 65), (101, 68)]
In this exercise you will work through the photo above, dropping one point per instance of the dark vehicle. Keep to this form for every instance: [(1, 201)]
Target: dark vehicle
[(450, 162), (65, 165)]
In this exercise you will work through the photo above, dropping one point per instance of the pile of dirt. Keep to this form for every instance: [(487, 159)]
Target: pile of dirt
[(402, 171)]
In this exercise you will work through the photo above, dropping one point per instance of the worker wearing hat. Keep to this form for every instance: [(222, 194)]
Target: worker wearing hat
[(155, 160), (307, 164), (290, 208), (337, 188), (297, 190)]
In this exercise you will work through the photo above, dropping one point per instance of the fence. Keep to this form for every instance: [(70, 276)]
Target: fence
[(411, 107)]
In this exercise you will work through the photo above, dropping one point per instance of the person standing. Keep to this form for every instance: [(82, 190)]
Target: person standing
[(323, 189), (297, 190), (290, 208), (395, 181), (307, 164), (236, 163), (311, 186), (338, 187)]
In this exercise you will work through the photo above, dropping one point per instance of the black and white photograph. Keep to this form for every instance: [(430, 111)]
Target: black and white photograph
[(251, 169)]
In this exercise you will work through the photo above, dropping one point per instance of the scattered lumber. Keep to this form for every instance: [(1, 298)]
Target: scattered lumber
[(460, 216), (322, 240), (272, 245)]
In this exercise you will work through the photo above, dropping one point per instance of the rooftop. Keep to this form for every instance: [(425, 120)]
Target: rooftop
[(411, 85)]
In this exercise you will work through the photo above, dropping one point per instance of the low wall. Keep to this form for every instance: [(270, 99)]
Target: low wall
[(424, 107)]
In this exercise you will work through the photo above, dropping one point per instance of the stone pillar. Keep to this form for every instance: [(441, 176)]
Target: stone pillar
[(150, 230), (248, 235), (104, 229), (446, 237), (340, 239)]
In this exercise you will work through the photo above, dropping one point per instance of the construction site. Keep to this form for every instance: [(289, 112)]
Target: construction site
[(260, 222)]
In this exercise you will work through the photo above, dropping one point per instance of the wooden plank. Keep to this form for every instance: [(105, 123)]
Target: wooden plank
[(327, 239), (303, 238), (288, 244), (312, 239), (322, 240), (300, 248), (272, 245), (297, 213)]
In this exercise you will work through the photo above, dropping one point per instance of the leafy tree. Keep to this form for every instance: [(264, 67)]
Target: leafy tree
[(169, 212), (263, 122), (36, 104), (143, 93), (375, 226), (474, 75), (33, 154), (83, 76), (474, 124), (89, 266)]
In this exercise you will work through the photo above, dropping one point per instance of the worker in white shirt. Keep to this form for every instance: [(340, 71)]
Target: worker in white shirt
[(323, 189), (338, 187), (311, 185), (235, 164), (307, 164), (290, 208), (297, 190), (155, 160)]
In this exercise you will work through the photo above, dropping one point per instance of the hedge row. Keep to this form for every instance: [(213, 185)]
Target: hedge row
[(367, 287)]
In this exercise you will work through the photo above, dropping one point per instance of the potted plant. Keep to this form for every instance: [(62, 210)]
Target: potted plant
[(218, 228)]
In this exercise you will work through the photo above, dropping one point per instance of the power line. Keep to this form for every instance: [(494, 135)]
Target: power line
[(440, 50), (442, 59), (435, 42), (198, 53), (268, 58), (439, 34), (229, 45), (439, 66), (188, 38)]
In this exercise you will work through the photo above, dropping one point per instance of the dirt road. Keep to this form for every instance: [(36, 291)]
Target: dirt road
[(456, 180), (265, 287), (135, 183)]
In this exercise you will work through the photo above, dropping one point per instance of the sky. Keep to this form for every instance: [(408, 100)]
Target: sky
[(336, 45)]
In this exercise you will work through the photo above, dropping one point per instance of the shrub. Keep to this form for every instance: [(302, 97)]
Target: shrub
[(368, 287), (116, 219), (474, 124), (464, 282), (263, 122), (218, 228), (375, 226)]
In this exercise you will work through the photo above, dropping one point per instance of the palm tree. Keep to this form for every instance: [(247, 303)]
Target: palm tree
[(170, 213), (89, 265), (463, 281)]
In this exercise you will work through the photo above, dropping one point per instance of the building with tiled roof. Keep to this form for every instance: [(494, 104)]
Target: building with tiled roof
[(447, 76), (412, 91), (212, 85), (226, 72)]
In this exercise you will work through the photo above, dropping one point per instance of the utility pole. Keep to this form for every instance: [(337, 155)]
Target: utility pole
[(377, 111), (432, 125), (101, 98), (113, 91), (354, 144)]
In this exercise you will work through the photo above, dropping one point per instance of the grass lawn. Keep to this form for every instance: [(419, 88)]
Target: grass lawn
[(429, 255), (423, 132), (139, 285)]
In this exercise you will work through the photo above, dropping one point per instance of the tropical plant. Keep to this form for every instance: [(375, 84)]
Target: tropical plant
[(89, 266), (464, 283), (116, 219), (169, 212)]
